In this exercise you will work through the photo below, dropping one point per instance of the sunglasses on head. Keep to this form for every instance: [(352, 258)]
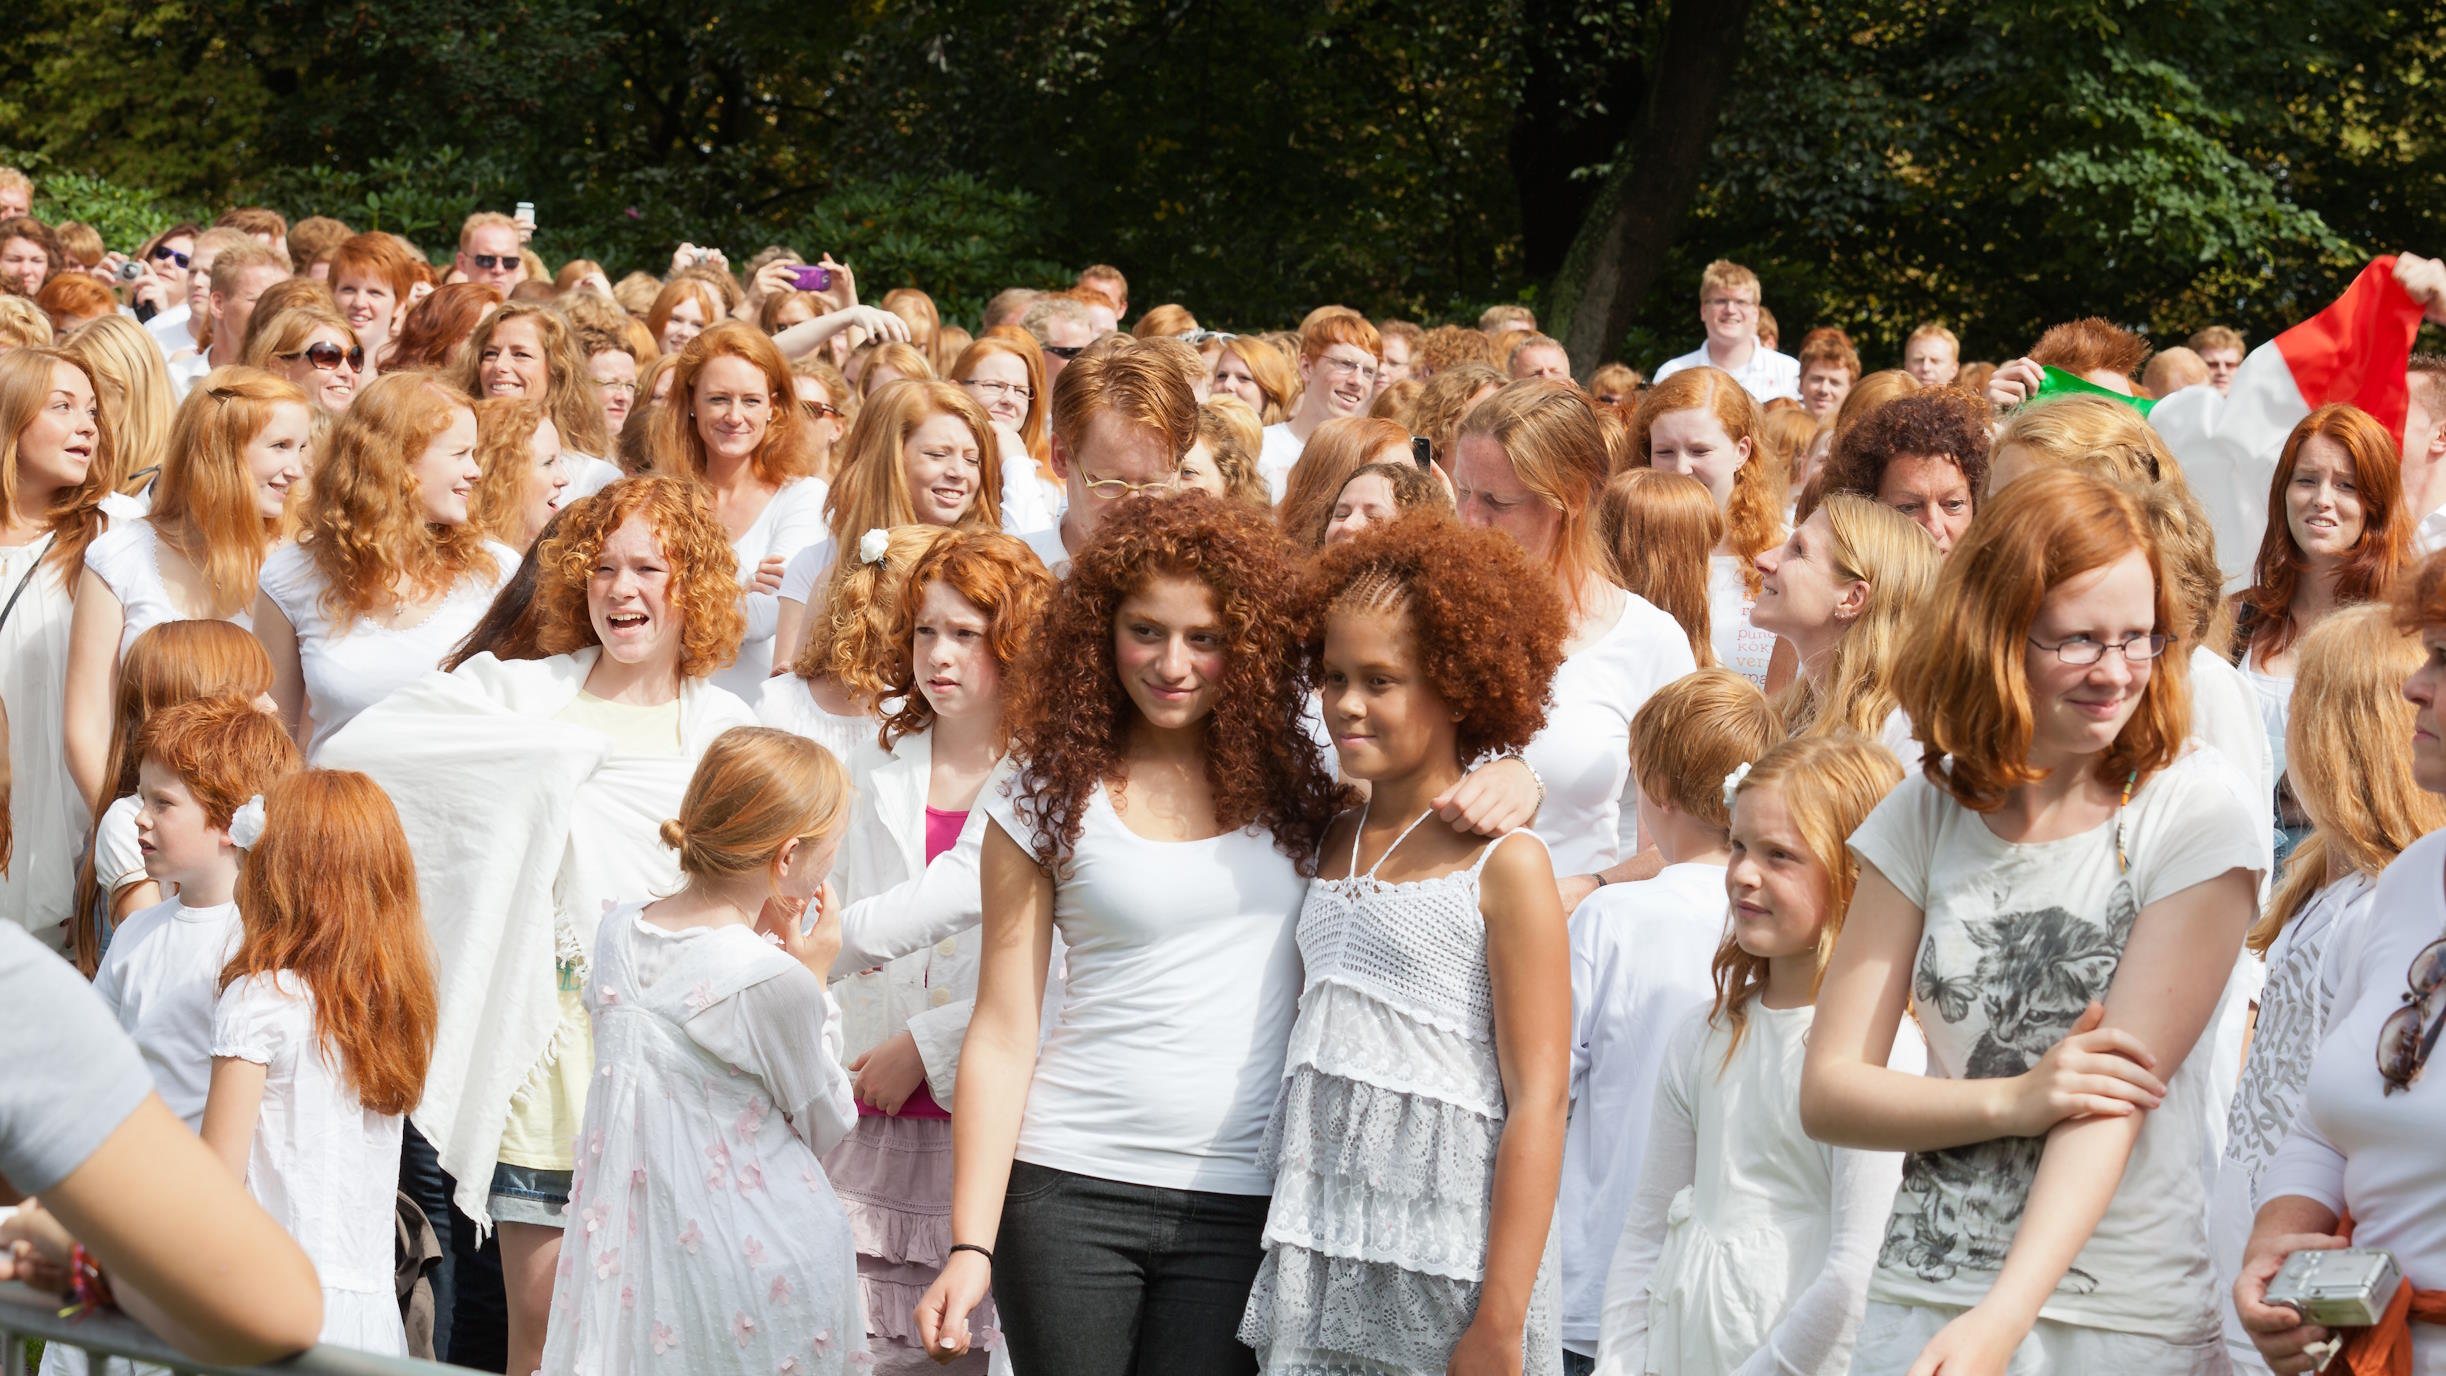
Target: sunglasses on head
[(491, 262), (165, 251), (329, 356)]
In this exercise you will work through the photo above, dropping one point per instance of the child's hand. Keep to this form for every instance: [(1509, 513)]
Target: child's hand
[(34, 1250), (785, 921)]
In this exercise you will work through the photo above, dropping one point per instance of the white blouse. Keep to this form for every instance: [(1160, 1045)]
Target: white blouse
[(127, 558), (1591, 816), (47, 814), (790, 522)]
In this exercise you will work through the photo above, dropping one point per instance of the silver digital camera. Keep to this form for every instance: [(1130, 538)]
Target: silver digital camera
[(2350, 1288)]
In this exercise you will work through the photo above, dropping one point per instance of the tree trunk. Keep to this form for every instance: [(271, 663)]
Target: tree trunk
[(1614, 258)]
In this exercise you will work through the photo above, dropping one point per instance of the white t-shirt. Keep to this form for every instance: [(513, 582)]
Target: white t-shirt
[(588, 475), (2017, 940), (1277, 454), (2226, 713), (1050, 547), (127, 558), (1740, 646), (785, 704), (1184, 978), (117, 862), (161, 978), (186, 370), (169, 330), (1591, 816), (1639, 958), (347, 671), (1766, 376), (2354, 1145), (789, 523)]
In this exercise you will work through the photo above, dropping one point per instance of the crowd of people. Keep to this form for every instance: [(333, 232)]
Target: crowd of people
[(576, 825)]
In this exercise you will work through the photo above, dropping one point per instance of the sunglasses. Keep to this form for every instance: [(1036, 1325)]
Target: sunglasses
[(491, 262), (822, 410), (326, 357), (173, 255), (1064, 352), (2407, 1037)]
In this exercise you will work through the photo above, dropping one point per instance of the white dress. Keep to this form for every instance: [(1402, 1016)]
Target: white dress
[(47, 815), (790, 522), (1383, 1142), (127, 558), (703, 1234), (321, 1162), (347, 671), (1748, 1245)]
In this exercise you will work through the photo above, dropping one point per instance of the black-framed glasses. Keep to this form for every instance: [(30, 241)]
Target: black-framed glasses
[(2407, 1037), (326, 356), (1065, 352), (2081, 651), (492, 262), (164, 251)]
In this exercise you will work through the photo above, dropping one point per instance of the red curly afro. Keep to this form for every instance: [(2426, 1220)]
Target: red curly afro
[(1071, 715), (1486, 627), (704, 570)]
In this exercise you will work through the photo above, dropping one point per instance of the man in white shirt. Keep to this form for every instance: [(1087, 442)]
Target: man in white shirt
[(1339, 353), (488, 251), (1122, 417), (2424, 470), (240, 273), (1728, 308)]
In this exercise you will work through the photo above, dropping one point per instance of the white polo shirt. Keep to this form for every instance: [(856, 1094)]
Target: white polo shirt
[(1766, 376)]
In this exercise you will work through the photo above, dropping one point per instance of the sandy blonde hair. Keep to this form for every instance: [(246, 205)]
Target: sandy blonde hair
[(756, 790)]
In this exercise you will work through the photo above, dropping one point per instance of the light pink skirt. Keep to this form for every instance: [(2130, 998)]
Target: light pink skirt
[(894, 1179)]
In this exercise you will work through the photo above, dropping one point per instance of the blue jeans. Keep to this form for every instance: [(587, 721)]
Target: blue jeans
[(1101, 1278), (1576, 1365)]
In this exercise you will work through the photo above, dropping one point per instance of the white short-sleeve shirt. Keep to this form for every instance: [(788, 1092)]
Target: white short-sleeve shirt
[(1591, 816), (347, 671)]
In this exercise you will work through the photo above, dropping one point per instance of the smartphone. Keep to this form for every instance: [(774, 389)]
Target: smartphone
[(806, 278), (525, 214), (1422, 452)]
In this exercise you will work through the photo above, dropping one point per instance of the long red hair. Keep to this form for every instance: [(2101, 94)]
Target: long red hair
[(328, 896), (2386, 528)]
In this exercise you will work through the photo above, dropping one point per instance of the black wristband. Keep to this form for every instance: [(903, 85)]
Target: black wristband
[(972, 1247)]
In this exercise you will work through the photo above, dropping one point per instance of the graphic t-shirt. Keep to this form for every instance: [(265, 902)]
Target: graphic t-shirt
[(2017, 940)]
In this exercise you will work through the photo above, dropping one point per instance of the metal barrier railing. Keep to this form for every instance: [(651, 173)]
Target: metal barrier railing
[(27, 1313)]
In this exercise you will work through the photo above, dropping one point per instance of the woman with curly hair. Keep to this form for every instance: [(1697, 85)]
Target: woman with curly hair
[(833, 692), (732, 424), (533, 793), (1435, 645), (1164, 815), (1222, 461), (526, 475), (1923, 454), (1702, 423), (528, 351), (387, 571)]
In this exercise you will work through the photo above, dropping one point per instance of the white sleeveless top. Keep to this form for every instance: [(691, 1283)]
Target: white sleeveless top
[(127, 558)]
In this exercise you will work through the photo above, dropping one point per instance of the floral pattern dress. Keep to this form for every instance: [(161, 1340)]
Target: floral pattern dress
[(703, 1235)]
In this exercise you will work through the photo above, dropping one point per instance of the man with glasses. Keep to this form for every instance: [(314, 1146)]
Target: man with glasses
[(488, 251), (1061, 328), (1123, 415), (1728, 307), (1339, 353)]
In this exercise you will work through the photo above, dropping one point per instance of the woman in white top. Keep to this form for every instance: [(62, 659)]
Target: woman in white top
[(323, 1034), (533, 793), (2365, 1138), (1530, 461), (526, 481), (733, 425), (2337, 534), (909, 977), (51, 489), (923, 453), (2352, 772), (835, 689), (238, 444), (1847, 591), (1748, 1246), (1166, 808), (387, 573), (2053, 864), (1703, 423)]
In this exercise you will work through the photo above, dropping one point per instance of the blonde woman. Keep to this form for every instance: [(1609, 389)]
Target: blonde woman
[(526, 350), (1846, 591), (237, 446), (387, 572), (1658, 529), (134, 386), (923, 453)]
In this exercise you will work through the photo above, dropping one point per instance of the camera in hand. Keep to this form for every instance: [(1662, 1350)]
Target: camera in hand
[(2350, 1288)]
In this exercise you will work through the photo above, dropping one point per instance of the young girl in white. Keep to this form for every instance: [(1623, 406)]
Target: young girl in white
[(324, 1031), (834, 691), (1418, 1139), (2051, 1216), (703, 1235), (1748, 1245)]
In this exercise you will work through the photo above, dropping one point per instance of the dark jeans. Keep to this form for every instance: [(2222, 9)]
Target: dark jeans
[(1099, 1278), (470, 1309), (1576, 1365)]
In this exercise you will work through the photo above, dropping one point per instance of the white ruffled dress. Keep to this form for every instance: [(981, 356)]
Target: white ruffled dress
[(1383, 1141)]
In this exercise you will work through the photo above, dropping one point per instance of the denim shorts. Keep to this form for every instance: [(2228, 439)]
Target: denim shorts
[(529, 1194)]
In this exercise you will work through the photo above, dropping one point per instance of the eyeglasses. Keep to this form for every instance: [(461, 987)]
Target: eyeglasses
[(1363, 370), (492, 262), (2081, 650), (998, 391), (163, 251), (326, 357), (613, 384), (2403, 1047), (1729, 303), (1114, 489), (1064, 351)]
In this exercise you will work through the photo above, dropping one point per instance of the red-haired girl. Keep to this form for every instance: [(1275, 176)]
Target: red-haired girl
[(1700, 422)]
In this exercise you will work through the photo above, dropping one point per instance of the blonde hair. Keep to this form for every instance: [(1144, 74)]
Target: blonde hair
[(1549, 434), (870, 485), (1829, 784), (22, 324), (1877, 545), (908, 360), (364, 527), (851, 620), (2348, 751), (1693, 732), (115, 349), (1659, 530), (1726, 275), (569, 392), (1754, 509), (204, 502), (756, 790)]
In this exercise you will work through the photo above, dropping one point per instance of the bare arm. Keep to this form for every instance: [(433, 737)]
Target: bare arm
[(231, 1106), (1528, 959), (135, 898), (998, 1059), (789, 628), (288, 673), (93, 663)]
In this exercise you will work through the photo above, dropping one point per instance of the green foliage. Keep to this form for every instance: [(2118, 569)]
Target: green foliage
[(954, 236), (124, 216), (422, 199)]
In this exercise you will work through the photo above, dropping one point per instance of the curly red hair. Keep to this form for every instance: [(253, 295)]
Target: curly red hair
[(1486, 626), (704, 570), (1006, 581), (1071, 716)]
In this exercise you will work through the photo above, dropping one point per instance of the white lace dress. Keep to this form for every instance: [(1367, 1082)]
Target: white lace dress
[(1383, 1141)]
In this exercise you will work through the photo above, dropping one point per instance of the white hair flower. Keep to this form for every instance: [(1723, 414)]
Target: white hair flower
[(246, 824), (874, 545), (1732, 782)]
